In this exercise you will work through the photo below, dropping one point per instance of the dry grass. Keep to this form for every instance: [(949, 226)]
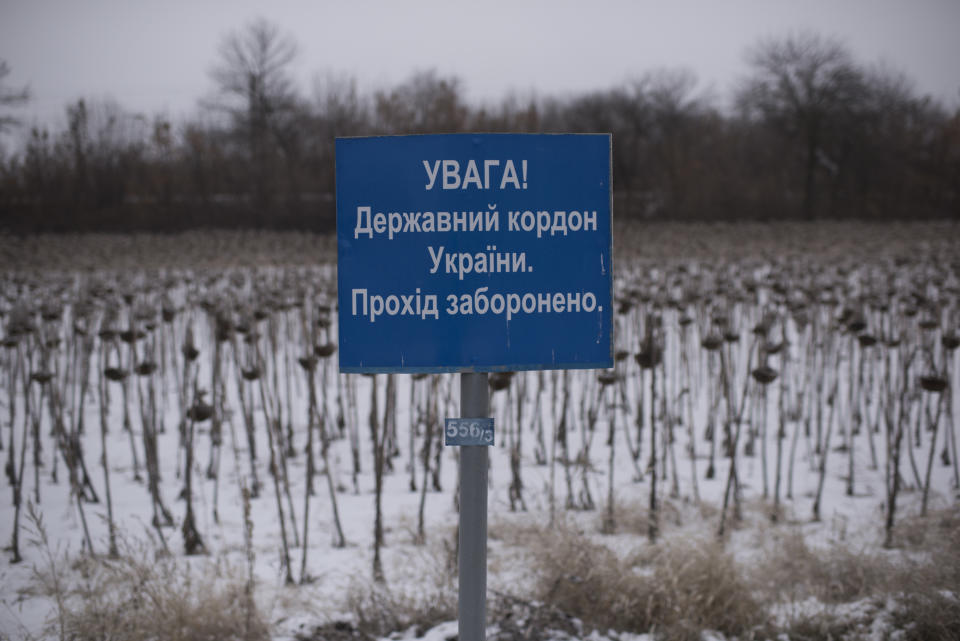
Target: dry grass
[(939, 530), (928, 615), (518, 619), (142, 596), (419, 602), (632, 516), (916, 584), (791, 570), (379, 610), (928, 585), (136, 597), (819, 627), (676, 589), (927, 558)]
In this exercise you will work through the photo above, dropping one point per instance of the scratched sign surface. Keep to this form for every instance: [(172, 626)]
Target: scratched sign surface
[(474, 252)]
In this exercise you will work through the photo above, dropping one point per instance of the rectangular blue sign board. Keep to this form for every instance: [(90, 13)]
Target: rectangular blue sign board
[(468, 431), (474, 252)]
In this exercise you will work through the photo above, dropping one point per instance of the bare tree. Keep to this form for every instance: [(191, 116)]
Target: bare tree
[(338, 109), (255, 88), (9, 98), (425, 103), (340, 105), (808, 87), (656, 121), (675, 110), (106, 145)]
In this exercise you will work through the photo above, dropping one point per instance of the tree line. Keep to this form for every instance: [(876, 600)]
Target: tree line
[(811, 132)]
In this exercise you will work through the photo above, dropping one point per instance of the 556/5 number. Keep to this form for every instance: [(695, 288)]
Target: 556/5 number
[(468, 431)]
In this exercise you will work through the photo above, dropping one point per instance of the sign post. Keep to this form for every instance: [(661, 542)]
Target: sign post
[(474, 253), (472, 557)]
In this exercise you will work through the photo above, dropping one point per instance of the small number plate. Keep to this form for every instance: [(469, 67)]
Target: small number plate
[(468, 431)]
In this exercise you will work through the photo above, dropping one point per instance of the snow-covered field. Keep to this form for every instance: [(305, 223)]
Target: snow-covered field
[(790, 297)]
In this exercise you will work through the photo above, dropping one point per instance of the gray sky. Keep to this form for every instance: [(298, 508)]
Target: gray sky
[(154, 55)]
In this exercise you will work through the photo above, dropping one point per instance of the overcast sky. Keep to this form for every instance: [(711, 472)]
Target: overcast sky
[(154, 55)]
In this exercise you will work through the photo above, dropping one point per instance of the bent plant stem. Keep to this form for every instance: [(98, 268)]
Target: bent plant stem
[(691, 429), (111, 526), (735, 417), (431, 422), (951, 424), (278, 495), (70, 458), (933, 449), (825, 446), (18, 498), (11, 370), (713, 402), (562, 438), (634, 450), (609, 522), (670, 420), (855, 409), (17, 476), (283, 446), (339, 540), (37, 448), (192, 541), (345, 390), (415, 417), (866, 392), (910, 444), (803, 418), (897, 430), (553, 450), (540, 446), (781, 434), (77, 428), (653, 525), (127, 426), (246, 408), (587, 401), (216, 425), (161, 515), (308, 491), (379, 436), (516, 447)]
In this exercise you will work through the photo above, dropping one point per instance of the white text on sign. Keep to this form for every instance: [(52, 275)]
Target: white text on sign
[(468, 431), (453, 176)]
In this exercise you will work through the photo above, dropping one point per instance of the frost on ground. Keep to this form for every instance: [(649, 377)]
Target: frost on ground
[(687, 494)]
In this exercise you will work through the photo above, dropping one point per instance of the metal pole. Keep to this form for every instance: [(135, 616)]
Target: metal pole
[(472, 561)]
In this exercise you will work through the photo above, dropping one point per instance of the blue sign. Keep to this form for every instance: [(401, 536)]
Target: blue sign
[(468, 431), (474, 252)]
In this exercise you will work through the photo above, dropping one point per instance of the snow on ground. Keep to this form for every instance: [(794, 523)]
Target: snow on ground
[(410, 568)]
